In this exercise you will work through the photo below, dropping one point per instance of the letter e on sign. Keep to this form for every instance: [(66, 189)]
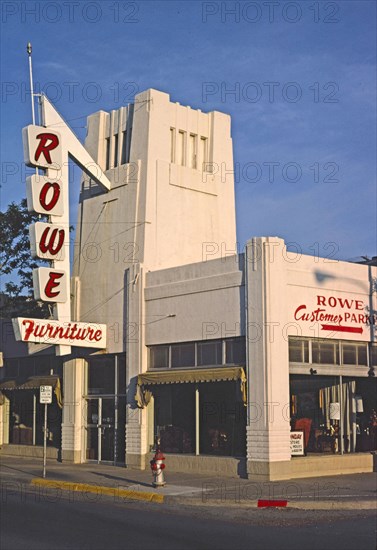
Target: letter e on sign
[(50, 285), (44, 195), (42, 147)]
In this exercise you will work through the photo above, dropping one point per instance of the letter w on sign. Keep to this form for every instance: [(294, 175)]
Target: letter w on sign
[(47, 241)]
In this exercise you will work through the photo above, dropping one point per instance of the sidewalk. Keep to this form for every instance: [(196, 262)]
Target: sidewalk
[(355, 491)]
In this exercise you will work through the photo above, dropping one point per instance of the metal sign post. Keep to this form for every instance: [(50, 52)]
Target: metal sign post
[(45, 398)]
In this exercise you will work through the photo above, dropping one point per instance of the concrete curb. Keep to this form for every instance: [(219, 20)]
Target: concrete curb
[(98, 490), (296, 504), (145, 496)]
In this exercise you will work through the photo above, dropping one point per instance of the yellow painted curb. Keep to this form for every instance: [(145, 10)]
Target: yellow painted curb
[(98, 490)]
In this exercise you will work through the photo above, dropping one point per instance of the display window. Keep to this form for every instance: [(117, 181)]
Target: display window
[(337, 414), (205, 419), (24, 415)]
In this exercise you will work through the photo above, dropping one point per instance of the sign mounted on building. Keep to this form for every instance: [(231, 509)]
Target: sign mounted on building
[(47, 193), (336, 314), (42, 331)]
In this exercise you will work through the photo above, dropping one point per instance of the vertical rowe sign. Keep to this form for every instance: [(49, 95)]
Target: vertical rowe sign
[(47, 194)]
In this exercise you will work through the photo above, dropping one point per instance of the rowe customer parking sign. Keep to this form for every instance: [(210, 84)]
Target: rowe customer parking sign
[(45, 395)]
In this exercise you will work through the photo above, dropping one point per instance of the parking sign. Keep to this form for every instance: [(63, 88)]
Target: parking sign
[(45, 395)]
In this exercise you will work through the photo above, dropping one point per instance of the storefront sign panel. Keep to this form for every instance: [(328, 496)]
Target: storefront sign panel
[(42, 147), (50, 331), (334, 316), (297, 443), (45, 195), (47, 241), (50, 285)]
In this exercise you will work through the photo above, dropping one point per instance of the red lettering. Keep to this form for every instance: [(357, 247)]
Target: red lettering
[(52, 283), (44, 247), (49, 205), (345, 303), (44, 147), (321, 301), (98, 335), (29, 328), (359, 305), (40, 331), (304, 316), (73, 331)]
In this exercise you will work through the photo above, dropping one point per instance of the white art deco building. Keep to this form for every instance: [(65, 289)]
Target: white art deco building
[(224, 357)]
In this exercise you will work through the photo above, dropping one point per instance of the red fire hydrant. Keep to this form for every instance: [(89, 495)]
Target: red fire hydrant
[(157, 467)]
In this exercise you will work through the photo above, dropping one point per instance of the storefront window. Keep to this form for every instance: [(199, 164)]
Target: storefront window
[(24, 419), (331, 352), (101, 375), (325, 352), (235, 351), (220, 423), (335, 413), (183, 355), (41, 365), (159, 357), (354, 354), (362, 355), (175, 417), (222, 420), (210, 353), (198, 354), (298, 351), (349, 354), (27, 419), (373, 355)]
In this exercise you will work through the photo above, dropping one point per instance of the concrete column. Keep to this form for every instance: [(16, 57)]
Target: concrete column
[(268, 444), (73, 410), (4, 420), (136, 363)]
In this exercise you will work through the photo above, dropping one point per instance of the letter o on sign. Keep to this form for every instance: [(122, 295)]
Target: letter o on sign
[(45, 195), (47, 199)]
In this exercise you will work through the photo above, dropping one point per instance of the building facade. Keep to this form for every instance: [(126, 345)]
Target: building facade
[(220, 355)]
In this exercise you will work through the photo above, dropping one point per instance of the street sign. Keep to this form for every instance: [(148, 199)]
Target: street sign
[(45, 395)]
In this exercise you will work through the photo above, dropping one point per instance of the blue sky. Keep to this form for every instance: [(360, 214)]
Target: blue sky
[(303, 105)]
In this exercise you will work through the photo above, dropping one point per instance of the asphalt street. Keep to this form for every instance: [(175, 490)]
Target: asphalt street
[(32, 520)]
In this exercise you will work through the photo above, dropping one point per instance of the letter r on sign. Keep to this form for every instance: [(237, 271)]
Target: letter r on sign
[(42, 148)]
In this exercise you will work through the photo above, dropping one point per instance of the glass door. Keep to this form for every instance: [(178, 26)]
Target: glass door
[(93, 440), (107, 425), (100, 429), (105, 419)]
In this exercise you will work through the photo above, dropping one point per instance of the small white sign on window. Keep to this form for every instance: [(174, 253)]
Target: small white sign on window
[(297, 443)]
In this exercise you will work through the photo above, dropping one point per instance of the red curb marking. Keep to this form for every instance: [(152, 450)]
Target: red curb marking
[(266, 503)]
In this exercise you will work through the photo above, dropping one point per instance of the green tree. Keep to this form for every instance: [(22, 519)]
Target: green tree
[(17, 264)]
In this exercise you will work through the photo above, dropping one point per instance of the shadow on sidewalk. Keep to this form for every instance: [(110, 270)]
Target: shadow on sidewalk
[(124, 479)]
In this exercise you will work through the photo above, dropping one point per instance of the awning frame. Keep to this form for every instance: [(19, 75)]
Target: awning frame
[(34, 383), (190, 375)]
